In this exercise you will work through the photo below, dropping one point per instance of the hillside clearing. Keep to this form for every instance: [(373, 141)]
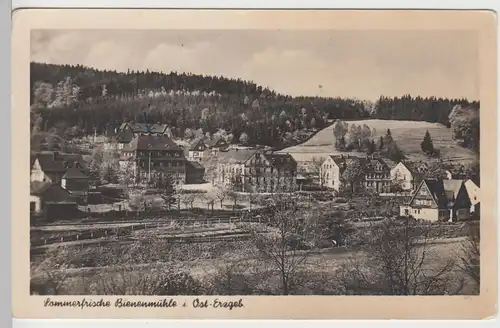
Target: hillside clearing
[(407, 134)]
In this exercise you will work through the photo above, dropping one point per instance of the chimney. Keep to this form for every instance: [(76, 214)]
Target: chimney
[(341, 155)]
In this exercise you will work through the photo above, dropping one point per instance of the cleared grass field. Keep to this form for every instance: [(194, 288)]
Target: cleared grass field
[(407, 134)]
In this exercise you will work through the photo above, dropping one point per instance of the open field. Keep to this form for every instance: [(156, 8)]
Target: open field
[(407, 134), (326, 261)]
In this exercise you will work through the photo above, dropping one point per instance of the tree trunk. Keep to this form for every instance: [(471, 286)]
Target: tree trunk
[(284, 282)]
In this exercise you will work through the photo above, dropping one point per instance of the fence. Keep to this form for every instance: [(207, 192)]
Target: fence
[(97, 233)]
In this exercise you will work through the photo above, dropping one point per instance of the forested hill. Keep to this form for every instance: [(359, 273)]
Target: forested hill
[(85, 99), (80, 100)]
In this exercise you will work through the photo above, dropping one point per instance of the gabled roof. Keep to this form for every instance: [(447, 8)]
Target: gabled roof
[(444, 192), (235, 156), (391, 164), (436, 188), (196, 143), (370, 164), (55, 162), (144, 127), (213, 142), (280, 160), (124, 136), (452, 186), (74, 173), (412, 167), (37, 188), (148, 142)]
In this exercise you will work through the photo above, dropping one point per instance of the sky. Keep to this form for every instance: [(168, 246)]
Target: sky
[(356, 64)]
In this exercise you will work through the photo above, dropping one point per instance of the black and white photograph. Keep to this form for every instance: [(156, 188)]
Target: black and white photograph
[(254, 162)]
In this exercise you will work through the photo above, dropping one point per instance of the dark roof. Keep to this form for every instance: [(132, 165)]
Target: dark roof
[(213, 142), (235, 156), (196, 143), (143, 127), (194, 165), (369, 164), (124, 136), (59, 162), (147, 142), (37, 188), (74, 173), (339, 160), (279, 160), (444, 192), (438, 192)]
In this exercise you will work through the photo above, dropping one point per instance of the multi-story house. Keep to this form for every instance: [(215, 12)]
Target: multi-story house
[(147, 157), (405, 175), (376, 175), (330, 172), (439, 200), (270, 172), (230, 169)]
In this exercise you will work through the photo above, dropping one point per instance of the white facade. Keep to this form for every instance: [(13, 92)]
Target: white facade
[(195, 155), (329, 174), (402, 174), (35, 204), (37, 173), (473, 191), (226, 172)]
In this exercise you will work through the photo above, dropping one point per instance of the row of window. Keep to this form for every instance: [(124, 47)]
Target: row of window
[(156, 154), (423, 202), (145, 164)]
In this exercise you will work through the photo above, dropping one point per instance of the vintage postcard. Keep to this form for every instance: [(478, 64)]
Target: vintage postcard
[(313, 164)]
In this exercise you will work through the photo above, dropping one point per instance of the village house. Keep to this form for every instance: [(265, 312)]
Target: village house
[(51, 200), (330, 172), (195, 172), (197, 149), (52, 166), (405, 175), (230, 169), (147, 157), (439, 200), (270, 172), (217, 144), (376, 174), (473, 191)]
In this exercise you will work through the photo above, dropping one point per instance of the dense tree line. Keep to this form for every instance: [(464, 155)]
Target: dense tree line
[(75, 96), (71, 100), (410, 108)]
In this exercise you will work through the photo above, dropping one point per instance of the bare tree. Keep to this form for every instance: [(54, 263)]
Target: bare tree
[(221, 194), (399, 264), (470, 257), (289, 246), (49, 277)]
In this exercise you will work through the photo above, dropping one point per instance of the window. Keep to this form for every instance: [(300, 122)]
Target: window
[(32, 206)]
